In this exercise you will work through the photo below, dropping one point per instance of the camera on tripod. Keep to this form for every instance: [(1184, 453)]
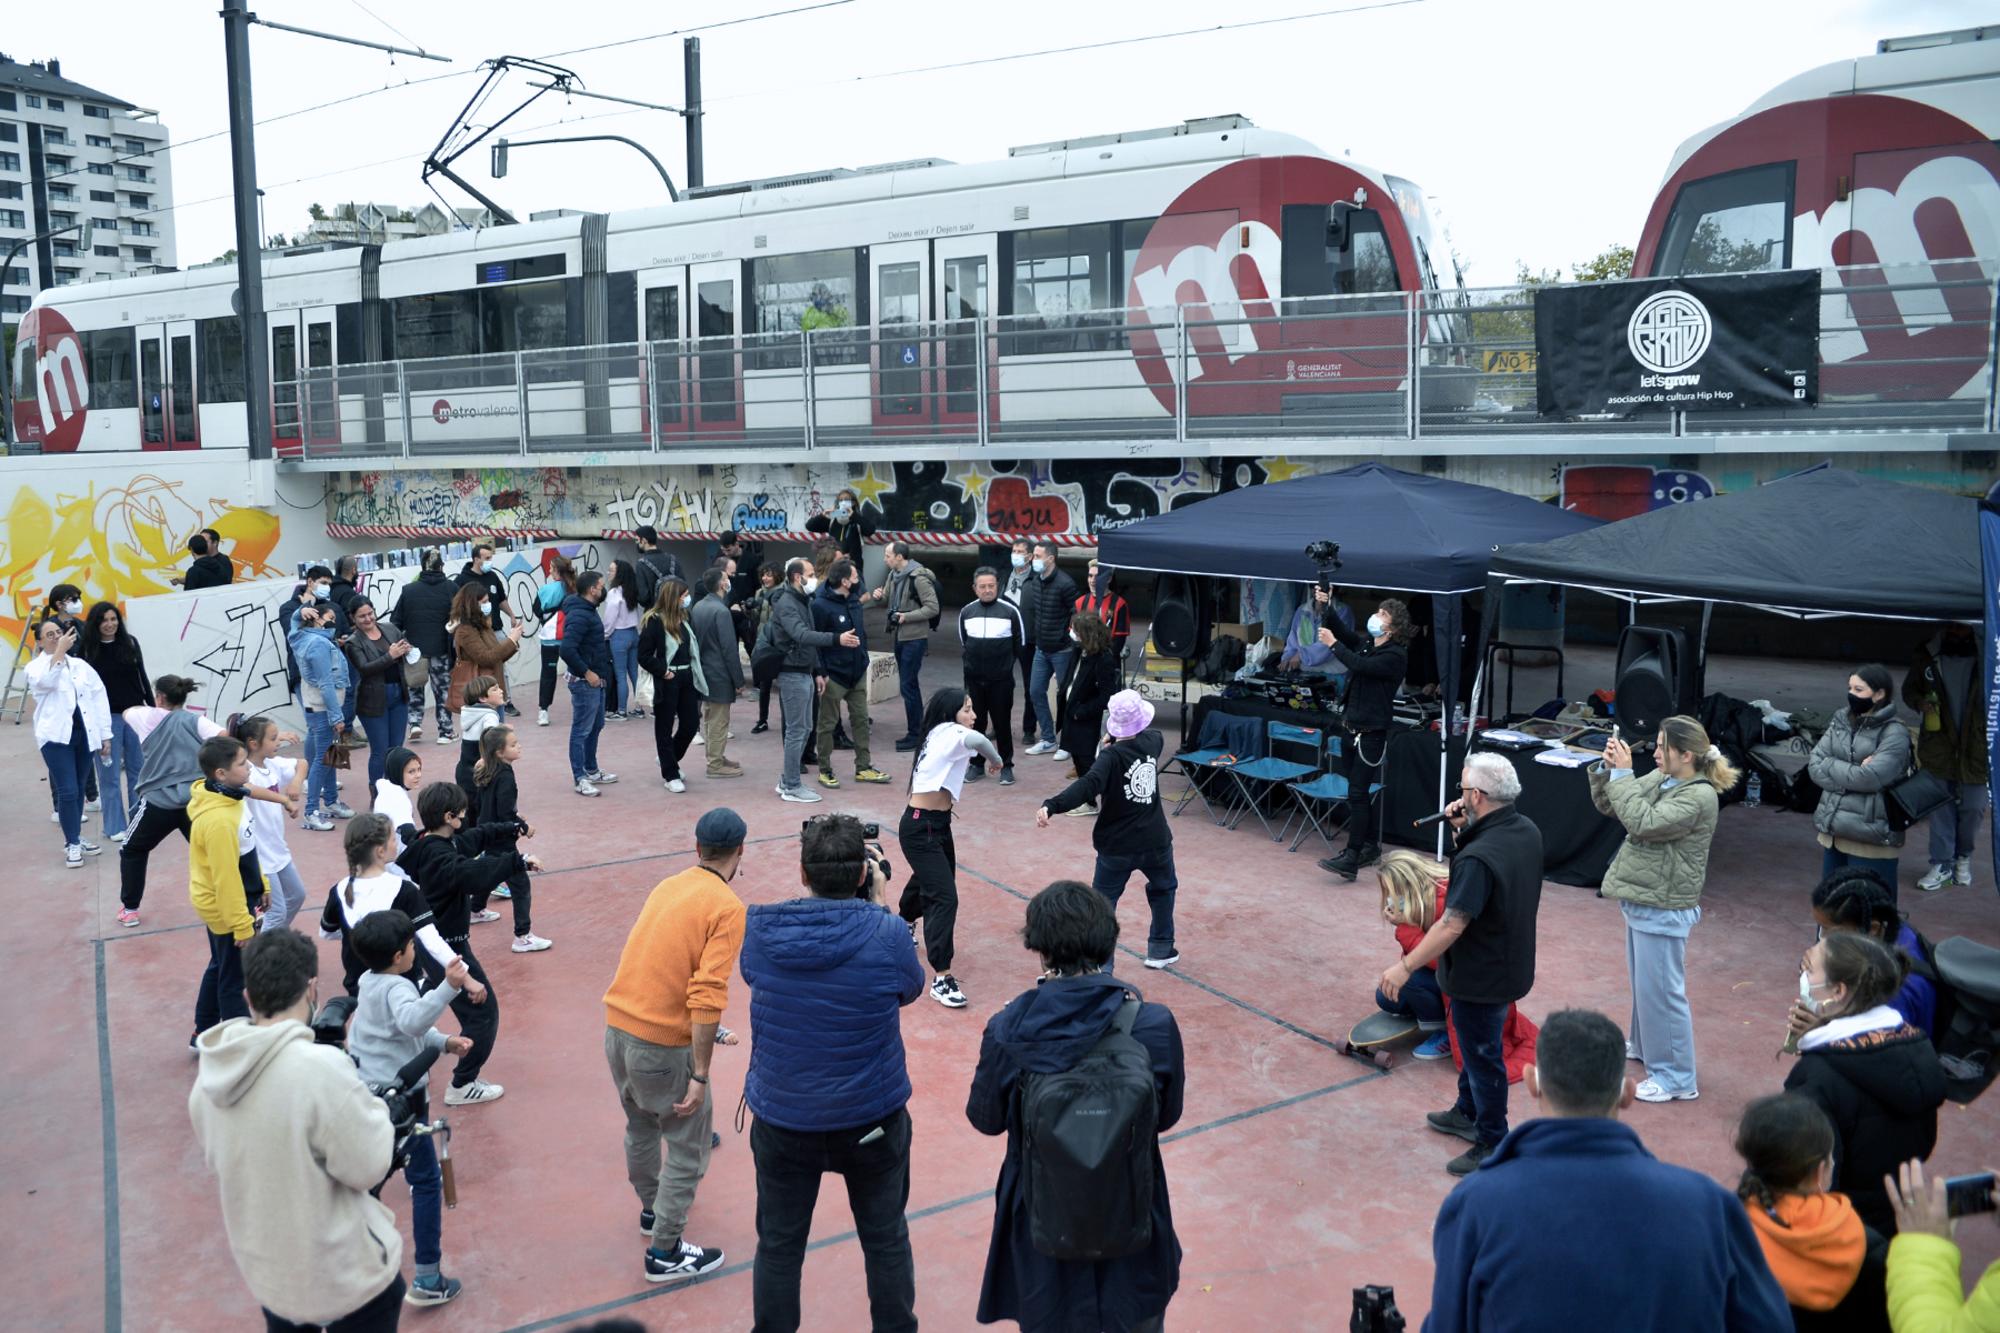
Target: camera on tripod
[(1375, 1311), (1326, 559)]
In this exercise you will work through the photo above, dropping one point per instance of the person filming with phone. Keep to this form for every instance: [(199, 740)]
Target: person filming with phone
[(1923, 1278), (829, 975)]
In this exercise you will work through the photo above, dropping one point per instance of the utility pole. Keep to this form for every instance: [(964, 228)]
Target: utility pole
[(236, 22), (691, 65)]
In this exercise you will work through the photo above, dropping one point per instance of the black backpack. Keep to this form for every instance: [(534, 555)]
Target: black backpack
[(1087, 1141)]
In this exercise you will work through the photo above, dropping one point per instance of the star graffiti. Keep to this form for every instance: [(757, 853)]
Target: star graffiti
[(871, 488)]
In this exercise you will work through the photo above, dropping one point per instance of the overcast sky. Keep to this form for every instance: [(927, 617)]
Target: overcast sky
[(1540, 128)]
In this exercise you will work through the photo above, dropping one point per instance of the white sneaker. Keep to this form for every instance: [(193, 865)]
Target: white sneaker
[(1060, 756), (603, 779), (945, 991), (89, 848), (121, 835), (1039, 747), (340, 810), (676, 785), (1632, 1053), (799, 794), (482, 916), (315, 822), (530, 943), (1651, 1091), (698, 739), (55, 816), (1940, 877), (443, 739), (73, 857), (1961, 870), (584, 788), (416, 733), (479, 1090), (93, 805), (542, 717)]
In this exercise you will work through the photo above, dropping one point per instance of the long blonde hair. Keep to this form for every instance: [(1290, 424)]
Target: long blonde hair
[(1410, 889), (667, 608), (1690, 737)]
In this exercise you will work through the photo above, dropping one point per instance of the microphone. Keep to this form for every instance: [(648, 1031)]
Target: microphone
[(1429, 820)]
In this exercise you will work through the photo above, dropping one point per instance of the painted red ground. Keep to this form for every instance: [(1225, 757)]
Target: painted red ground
[(1295, 1175)]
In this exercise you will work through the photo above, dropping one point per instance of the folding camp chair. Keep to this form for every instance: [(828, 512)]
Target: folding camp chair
[(1198, 766), (1256, 779), (1328, 790)]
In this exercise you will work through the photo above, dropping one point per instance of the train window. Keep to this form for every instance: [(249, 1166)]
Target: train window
[(113, 377), (525, 317), (437, 324), (1325, 256), (152, 394), (1738, 222), (349, 345), (222, 359), (815, 291), (621, 307), (1067, 286)]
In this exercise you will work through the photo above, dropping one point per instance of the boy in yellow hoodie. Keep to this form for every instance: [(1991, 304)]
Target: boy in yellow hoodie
[(219, 835), (1828, 1262)]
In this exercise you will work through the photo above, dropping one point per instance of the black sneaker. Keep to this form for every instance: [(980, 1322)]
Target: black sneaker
[(1158, 957), (946, 992), (1468, 1161), (684, 1262), (1456, 1123), (975, 772), (1007, 776), (512, 711), (908, 743), (760, 728), (841, 740)]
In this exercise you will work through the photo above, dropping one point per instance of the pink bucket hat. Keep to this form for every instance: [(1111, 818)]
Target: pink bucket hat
[(1128, 714)]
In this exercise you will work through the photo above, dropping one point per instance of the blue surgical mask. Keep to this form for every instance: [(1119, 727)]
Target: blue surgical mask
[(320, 590), (1377, 627), (1041, 566), (1020, 561), (486, 608), (687, 600)]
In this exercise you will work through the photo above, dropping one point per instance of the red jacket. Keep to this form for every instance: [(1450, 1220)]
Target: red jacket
[(1110, 609), (1517, 1038)]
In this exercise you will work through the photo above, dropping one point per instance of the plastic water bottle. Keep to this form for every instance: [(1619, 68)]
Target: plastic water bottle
[(1754, 793), (1458, 719)]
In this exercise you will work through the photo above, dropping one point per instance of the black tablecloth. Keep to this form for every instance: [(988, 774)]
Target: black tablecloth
[(1577, 842)]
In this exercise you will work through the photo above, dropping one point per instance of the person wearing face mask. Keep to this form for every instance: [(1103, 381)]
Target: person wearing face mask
[(1015, 587), (586, 652), (652, 565), (323, 682), (722, 678), (1864, 749), (662, 1013), (422, 610), (909, 591), (1876, 1077), (66, 610), (72, 723), (209, 568), (475, 649), (1375, 662), (843, 672), (844, 524), (670, 652), (1053, 595), (1946, 688), (796, 643)]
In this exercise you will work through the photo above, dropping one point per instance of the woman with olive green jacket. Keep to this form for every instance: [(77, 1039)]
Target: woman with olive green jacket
[(1669, 817)]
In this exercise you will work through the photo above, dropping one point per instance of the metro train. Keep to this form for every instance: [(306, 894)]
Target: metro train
[(1056, 244)]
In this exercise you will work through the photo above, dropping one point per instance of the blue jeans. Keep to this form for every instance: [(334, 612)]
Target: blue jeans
[(586, 721), (909, 665), (1419, 998), (68, 766), (321, 789), (1954, 825), (426, 1197), (1114, 869), (1049, 668), (122, 765), (1482, 1083), (1883, 866), (386, 731), (796, 714), (624, 667)]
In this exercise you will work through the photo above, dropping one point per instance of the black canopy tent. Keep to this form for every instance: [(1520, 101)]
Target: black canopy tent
[(1398, 531)]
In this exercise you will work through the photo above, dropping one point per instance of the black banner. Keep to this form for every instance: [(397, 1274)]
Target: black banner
[(1696, 344)]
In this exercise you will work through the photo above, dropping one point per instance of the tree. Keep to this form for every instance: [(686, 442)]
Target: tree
[(316, 213), (1709, 251), (1614, 262), (226, 257)]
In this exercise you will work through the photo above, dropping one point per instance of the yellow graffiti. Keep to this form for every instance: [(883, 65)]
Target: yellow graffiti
[(123, 542)]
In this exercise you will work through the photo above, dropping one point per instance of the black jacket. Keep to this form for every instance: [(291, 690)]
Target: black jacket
[(1092, 682), (1126, 774), (792, 630), (1882, 1091), (656, 657), (209, 571), (846, 534), (1374, 673), (650, 569), (837, 613), (1496, 876), (496, 590), (496, 805), (342, 592), (422, 610), (1054, 601), (451, 871), (991, 636), (374, 670)]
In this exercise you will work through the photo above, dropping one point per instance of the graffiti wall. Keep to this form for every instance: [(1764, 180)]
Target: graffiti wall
[(230, 640)]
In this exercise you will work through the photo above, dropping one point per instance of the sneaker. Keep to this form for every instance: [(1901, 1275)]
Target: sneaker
[(530, 943), (479, 1090), (975, 773), (680, 1264), (728, 768), (93, 805), (1007, 776), (905, 744), (1060, 756), (1434, 1047), (676, 785), (603, 779), (1651, 1091), (431, 1289), (1961, 870), (55, 817), (501, 891), (122, 834), (89, 848), (127, 917), (1455, 1123), (73, 857), (541, 717), (614, 716), (1468, 1161), (760, 728), (482, 916), (875, 775), (315, 822), (444, 738), (915, 926), (827, 779), (357, 739), (1157, 960), (1938, 878), (511, 710), (1039, 747), (340, 810), (584, 788), (1632, 1053), (700, 740), (946, 992), (416, 733), (1081, 812), (799, 794)]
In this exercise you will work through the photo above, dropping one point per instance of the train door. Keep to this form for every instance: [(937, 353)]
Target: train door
[(663, 324), (169, 416), (287, 435), (321, 408), (152, 387), (963, 285), (715, 300), (901, 363)]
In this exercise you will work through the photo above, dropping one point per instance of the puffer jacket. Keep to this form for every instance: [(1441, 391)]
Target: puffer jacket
[(1881, 1089), (828, 978), (1853, 762), (1924, 1287), (1948, 693), (1664, 861)]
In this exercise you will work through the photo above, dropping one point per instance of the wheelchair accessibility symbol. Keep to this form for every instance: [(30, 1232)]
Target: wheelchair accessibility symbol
[(909, 356)]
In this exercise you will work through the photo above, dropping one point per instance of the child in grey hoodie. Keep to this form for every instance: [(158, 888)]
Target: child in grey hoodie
[(392, 1025)]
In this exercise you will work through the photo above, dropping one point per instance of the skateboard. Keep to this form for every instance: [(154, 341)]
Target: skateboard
[(1373, 1035)]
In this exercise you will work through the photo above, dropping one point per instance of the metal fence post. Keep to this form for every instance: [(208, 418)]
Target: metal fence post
[(1993, 358), (808, 391), (984, 411), (1180, 375), (521, 399), (403, 397), (1416, 363), (649, 359)]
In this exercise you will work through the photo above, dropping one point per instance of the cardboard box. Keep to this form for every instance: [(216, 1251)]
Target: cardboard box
[(1249, 633), (883, 683)]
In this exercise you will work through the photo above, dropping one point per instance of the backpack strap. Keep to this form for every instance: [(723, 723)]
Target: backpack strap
[(1128, 1013)]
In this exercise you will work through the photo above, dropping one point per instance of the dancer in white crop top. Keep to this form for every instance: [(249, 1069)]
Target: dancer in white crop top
[(924, 831)]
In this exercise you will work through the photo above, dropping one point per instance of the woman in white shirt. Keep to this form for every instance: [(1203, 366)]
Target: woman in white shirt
[(72, 723), (924, 831), (620, 614)]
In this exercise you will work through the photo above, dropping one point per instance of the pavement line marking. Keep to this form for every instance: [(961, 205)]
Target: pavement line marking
[(114, 1281)]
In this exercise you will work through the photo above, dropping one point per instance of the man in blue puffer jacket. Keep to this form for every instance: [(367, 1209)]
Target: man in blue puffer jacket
[(828, 975)]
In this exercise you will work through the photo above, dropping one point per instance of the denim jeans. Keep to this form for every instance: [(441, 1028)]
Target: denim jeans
[(122, 765), (796, 712), (790, 1166), (1954, 825), (221, 992), (624, 667), (321, 789), (1883, 866), (909, 670), (1050, 668), (1029, 725), (68, 766), (426, 1183), (1114, 869), (385, 732), (1419, 998), (586, 722), (1482, 1083)]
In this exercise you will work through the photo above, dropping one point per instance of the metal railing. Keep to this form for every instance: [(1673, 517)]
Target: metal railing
[(1901, 350)]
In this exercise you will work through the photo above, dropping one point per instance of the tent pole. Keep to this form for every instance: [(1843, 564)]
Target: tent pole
[(1701, 652)]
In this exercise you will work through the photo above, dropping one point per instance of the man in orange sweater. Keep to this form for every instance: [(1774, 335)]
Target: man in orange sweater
[(661, 1015)]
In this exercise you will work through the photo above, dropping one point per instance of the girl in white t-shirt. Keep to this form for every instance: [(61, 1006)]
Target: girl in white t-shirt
[(924, 831), (272, 772), (396, 795)]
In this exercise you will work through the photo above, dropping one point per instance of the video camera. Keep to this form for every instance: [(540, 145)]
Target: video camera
[(871, 831), (329, 1028), (1326, 559), (1375, 1311)]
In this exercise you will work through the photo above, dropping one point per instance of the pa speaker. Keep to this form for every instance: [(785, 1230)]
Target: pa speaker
[(1654, 679), (1176, 617)]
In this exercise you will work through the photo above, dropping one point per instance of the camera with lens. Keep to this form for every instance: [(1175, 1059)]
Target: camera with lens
[(1326, 559), (1375, 1311), (399, 1097), (870, 830)]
